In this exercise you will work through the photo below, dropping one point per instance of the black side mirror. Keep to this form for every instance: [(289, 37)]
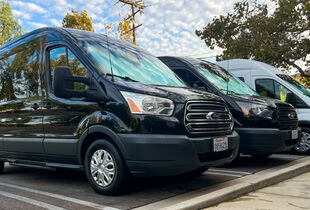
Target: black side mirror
[(63, 85), (291, 98), (195, 86)]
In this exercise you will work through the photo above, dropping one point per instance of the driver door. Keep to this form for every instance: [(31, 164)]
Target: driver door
[(62, 116)]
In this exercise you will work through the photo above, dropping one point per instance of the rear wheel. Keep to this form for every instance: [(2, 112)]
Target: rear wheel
[(105, 169), (1, 167), (303, 146)]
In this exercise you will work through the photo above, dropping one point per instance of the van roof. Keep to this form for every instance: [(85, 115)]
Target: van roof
[(246, 64), (62, 33)]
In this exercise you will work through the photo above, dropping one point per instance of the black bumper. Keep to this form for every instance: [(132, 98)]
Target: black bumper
[(265, 140), (164, 155)]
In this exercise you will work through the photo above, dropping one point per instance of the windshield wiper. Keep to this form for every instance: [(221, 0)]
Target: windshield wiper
[(230, 91), (121, 77)]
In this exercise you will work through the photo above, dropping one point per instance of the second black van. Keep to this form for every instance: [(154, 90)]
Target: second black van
[(265, 125)]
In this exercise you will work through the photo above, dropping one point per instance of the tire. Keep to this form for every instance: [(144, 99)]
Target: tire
[(1, 167), (303, 146), (260, 156), (112, 173)]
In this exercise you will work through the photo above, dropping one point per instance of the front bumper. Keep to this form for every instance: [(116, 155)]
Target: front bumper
[(266, 140), (164, 155)]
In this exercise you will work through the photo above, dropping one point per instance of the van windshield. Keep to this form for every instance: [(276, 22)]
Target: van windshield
[(295, 83), (130, 63), (223, 80)]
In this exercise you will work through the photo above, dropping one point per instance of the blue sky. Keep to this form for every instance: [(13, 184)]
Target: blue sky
[(168, 25)]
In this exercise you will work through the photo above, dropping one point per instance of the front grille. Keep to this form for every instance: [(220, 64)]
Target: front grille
[(287, 117), (208, 117)]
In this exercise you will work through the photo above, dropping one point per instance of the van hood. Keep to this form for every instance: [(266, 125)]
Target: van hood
[(176, 94), (257, 99)]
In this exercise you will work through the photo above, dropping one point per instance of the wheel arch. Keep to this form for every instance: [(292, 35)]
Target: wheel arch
[(98, 132), (304, 123)]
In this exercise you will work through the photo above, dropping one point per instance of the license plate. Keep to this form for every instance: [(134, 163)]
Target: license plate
[(294, 134), (220, 144)]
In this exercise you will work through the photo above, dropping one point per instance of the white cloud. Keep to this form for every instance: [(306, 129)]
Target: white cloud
[(21, 14), (37, 24), (28, 6)]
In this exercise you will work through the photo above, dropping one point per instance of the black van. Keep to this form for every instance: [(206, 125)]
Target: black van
[(265, 125), (77, 99)]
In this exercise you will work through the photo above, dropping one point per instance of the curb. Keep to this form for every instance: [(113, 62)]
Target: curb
[(232, 189)]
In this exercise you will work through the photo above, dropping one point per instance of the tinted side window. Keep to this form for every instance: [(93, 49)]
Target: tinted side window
[(265, 87), (242, 79), (20, 77), (59, 57), (189, 78)]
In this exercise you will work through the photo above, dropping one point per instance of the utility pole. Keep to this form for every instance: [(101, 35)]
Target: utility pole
[(136, 7)]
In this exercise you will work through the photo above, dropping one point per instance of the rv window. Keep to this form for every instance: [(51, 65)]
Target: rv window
[(20, 75)]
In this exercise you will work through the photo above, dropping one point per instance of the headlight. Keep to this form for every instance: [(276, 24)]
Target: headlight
[(255, 110), (146, 104)]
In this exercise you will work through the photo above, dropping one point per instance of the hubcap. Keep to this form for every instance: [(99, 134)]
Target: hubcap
[(304, 143), (102, 168)]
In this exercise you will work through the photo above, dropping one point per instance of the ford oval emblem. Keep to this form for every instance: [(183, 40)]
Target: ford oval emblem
[(213, 116), (292, 116)]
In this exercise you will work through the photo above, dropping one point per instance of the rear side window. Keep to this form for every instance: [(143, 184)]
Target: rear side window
[(20, 78), (63, 57)]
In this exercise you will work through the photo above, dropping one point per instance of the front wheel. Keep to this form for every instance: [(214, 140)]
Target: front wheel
[(303, 146), (105, 169), (1, 167)]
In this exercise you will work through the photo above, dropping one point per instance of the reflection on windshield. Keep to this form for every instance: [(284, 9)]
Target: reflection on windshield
[(131, 62), (223, 80), (295, 83)]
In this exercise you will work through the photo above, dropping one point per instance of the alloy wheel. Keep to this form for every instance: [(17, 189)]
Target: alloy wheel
[(303, 145)]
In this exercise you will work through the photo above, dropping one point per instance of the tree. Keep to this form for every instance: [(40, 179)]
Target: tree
[(78, 21), (9, 27), (250, 31), (125, 29)]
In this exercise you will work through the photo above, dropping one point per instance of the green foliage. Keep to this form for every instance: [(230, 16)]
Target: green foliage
[(78, 21), (280, 38), (9, 27)]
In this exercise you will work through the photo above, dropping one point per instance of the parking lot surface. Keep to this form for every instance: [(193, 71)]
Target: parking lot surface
[(25, 188)]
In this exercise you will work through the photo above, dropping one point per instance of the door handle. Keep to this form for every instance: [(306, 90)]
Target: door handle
[(35, 106), (48, 105)]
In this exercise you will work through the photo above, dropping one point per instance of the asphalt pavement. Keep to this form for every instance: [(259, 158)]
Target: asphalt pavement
[(27, 188)]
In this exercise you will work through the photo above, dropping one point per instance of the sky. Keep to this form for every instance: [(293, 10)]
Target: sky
[(168, 25)]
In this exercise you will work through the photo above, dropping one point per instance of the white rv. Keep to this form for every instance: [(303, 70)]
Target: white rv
[(271, 82)]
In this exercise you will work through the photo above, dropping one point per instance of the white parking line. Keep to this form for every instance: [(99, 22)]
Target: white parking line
[(61, 197), (30, 201), (230, 171), (223, 174)]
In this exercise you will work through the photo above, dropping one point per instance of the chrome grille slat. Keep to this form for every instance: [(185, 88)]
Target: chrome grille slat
[(196, 120)]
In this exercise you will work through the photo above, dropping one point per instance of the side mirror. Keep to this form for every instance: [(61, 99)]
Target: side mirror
[(63, 85), (195, 86), (291, 98)]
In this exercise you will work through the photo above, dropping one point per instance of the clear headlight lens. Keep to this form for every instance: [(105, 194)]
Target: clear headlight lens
[(146, 104), (255, 110)]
